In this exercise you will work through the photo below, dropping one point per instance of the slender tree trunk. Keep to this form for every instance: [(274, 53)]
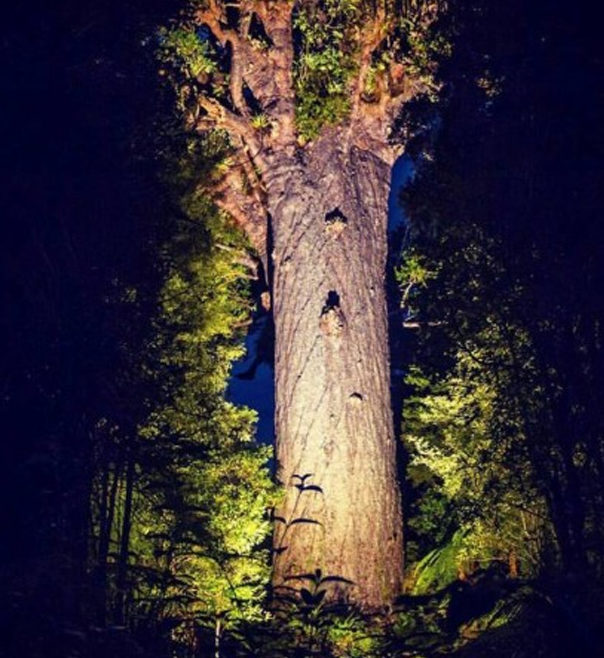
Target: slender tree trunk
[(107, 514), (217, 636), (122, 567), (513, 564), (335, 440)]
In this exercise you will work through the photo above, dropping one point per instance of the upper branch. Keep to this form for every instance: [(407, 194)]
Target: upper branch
[(266, 72), (396, 61), (276, 18), (214, 17), (372, 35), (239, 195), (240, 129)]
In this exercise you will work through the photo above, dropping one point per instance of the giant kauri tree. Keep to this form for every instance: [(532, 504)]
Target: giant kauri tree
[(310, 95)]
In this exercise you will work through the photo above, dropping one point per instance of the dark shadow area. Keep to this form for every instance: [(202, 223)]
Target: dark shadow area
[(81, 222), (402, 174), (335, 215), (332, 301), (252, 379)]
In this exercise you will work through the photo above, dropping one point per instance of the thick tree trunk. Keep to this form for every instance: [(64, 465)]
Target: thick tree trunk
[(327, 203), (335, 444)]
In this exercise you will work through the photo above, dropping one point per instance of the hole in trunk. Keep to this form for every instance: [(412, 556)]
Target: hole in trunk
[(332, 301), (335, 222), (335, 215), (332, 318)]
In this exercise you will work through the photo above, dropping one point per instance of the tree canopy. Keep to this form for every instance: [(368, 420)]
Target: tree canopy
[(272, 75)]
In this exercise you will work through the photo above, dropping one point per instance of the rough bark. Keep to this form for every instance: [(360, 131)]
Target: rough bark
[(326, 201), (335, 442)]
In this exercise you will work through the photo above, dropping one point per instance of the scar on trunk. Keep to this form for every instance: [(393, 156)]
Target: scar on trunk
[(335, 222), (332, 319)]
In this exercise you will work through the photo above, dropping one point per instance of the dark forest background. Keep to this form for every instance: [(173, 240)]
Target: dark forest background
[(501, 281)]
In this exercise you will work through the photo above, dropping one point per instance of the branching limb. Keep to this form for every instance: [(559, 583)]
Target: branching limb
[(214, 17), (266, 72), (276, 18), (415, 324), (242, 258), (372, 35), (239, 128), (234, 195)]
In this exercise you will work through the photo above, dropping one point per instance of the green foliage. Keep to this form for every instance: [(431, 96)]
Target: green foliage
[(315, 110), (185, 51), (418, 630), (336, 631), (324, 64), (201, 486), (328, 40), (474, 395), (261, 122), (191, 65), (217, 488), (431, 515), (411, 275), (189, 160), (353, 637), (457, 437), (413, 270), (440, 567), (425, 45)]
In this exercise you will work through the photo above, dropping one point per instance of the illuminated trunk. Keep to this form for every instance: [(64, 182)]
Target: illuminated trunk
[(335, 441)]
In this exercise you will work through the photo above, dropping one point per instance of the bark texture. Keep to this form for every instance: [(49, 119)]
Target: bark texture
[(326, 203), (335, 443)]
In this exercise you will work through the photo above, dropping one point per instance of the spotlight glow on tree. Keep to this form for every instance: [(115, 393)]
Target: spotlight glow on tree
[(309, 94)]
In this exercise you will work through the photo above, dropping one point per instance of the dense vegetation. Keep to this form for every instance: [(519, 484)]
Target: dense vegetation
[(499, 273), (136, 498)]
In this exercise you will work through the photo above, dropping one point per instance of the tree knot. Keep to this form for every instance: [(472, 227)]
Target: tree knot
[(332, 319), (335, 223)]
